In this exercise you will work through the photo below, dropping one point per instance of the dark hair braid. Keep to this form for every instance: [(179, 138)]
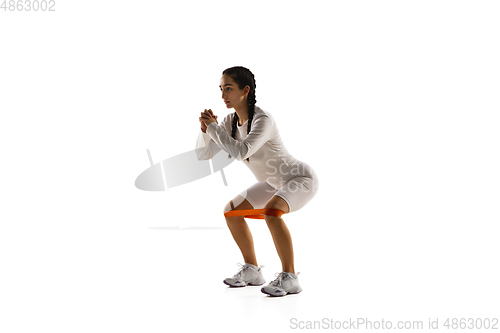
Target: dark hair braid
[(243, 77)]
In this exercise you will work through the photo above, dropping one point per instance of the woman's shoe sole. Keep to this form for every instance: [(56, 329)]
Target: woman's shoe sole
[(273, 295), (248, 284)]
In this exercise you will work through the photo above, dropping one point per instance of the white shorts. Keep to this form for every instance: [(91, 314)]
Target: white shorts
[(297, 191)]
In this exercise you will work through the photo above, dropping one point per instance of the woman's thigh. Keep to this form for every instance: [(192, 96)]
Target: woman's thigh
[(257, 195), (238, 203)]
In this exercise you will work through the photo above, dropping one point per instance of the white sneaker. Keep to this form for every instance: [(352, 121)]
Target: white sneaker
[(286, 283), (247, 275)]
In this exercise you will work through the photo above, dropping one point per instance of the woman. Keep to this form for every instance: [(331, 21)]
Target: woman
[(250, 134)]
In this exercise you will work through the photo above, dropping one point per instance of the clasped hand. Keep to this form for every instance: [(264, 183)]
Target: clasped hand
[(207, 117)]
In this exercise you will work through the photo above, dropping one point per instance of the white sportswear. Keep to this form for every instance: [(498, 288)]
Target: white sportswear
[(270, 161)]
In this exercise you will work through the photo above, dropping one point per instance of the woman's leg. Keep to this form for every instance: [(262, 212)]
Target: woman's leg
[(281, 235), (241, 233)]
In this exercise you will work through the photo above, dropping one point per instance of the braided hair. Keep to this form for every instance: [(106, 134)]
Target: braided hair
[(243, 77)]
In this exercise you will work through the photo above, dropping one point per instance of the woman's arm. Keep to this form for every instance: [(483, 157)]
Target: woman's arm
[(259, 134), (206, 148)]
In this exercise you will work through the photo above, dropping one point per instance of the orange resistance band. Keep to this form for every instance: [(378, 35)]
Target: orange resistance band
[(254, 213)]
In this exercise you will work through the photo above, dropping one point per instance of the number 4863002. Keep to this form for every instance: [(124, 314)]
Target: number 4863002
[(28, 5)]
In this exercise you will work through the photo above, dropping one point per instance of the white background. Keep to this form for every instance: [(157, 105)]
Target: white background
[(395, 104)]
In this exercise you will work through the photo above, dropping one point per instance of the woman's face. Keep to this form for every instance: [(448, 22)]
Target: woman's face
[(231, 94)]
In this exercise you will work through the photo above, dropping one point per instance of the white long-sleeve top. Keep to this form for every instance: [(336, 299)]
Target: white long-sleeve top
[(270, 161)]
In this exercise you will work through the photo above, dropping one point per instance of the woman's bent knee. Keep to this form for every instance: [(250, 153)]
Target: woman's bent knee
[(229, 206), (243, 205)]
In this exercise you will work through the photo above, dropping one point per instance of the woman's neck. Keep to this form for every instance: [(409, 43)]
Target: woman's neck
[(242, 112)]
